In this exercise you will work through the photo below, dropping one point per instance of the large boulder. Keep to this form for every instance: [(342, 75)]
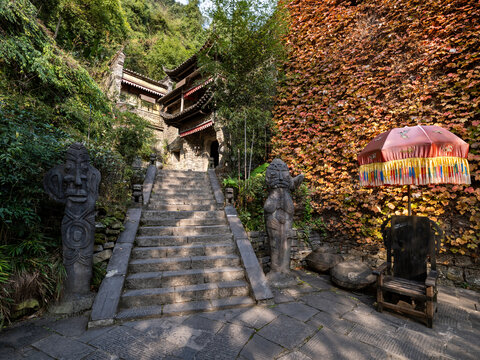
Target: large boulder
[(321, 261), (352, 275)]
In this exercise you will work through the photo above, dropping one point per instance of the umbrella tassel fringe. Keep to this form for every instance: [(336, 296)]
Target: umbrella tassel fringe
[(416, 171)]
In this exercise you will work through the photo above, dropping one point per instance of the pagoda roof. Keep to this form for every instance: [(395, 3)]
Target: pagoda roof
[(143, 82), (181, 70), (175, 119)]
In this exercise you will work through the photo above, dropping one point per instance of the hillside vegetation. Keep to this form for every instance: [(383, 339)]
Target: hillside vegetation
[(53, 54)]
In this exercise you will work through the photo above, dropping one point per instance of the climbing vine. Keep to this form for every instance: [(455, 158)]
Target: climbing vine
[(355, 71)]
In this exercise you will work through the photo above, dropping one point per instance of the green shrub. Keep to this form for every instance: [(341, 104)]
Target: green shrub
[(133, 136)]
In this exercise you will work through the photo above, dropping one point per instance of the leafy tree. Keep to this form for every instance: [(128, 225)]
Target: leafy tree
[(90, 28), (246, 41), (166, 33)]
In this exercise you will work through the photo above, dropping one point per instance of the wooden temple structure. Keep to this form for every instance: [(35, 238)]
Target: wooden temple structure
[(188, 107), (179, 109)]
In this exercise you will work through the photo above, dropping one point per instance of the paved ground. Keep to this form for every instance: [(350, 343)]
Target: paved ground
[(312, 320)]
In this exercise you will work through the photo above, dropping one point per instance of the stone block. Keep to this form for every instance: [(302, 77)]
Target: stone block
[(71, 326), (287, 332), (294, 355), (129, 344), (19, 337), (120, 257), (108, 297), (116, 225), (472, 276), (109, 245), (202, 323), (74, 305), (187, 308), (195, 292), (298, 311), (455, 274), (58, 346), (334, 346), (232, 288), (256, 317), (352, 275), (462, 261), (259, 348), (102, 256), (148, 183), (182, 277), (321, 261), (131, 225), (98, 248)]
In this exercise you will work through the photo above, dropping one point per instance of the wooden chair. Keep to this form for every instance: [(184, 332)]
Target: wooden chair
[(410, 241)]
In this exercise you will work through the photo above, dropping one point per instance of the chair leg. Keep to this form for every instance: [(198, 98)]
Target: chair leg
[(429, 306), (380, 293)]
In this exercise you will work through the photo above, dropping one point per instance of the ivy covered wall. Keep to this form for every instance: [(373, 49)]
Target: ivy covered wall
[(358, 68)]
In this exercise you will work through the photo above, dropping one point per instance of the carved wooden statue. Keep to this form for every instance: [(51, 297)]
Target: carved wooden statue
[(278, 210), (75, 184)]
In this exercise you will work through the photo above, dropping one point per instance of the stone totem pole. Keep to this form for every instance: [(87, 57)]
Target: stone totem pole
[(75, 184), (278, 210)]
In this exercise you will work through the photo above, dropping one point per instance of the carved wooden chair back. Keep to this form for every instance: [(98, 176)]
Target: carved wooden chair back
[(411, 241)]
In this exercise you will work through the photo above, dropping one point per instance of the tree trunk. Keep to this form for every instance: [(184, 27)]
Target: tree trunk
[(58, 26)]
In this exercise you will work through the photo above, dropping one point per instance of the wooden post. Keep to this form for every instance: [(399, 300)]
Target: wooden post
[(409, 201), (380, 293), (181, 102), (429, 306)]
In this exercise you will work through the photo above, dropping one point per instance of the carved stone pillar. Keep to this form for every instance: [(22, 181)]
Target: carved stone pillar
[(75, 184)]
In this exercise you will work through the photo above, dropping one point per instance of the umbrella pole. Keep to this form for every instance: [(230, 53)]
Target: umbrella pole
[(409, 201)]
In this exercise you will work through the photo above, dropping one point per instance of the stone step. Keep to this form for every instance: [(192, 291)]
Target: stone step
[(182, 222), (182, 180), (184, 308), (186, 173), (177, 207), (174, 215), (155, 252), (183, 193), (182, 186), (184, 293), (182, 263), (145, 280), (182, 230), (150, 241), (193, 194), (184, 201)]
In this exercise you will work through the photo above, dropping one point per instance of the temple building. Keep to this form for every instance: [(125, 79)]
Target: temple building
[(179, 109), (188, 107)]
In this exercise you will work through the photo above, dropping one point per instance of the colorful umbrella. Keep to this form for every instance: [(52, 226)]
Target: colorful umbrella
[(418, 155)]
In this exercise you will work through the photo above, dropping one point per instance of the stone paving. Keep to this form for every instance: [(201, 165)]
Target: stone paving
[(312, 320)]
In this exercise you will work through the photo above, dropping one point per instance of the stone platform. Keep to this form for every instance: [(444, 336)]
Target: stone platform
[(310, 320)]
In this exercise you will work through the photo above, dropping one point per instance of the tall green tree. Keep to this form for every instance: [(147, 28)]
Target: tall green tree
[(246, 36)]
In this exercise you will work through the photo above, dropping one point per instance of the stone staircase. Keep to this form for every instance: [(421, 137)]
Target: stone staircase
[(184, 259)]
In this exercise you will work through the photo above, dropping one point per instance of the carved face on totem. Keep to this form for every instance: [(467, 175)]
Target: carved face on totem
[(76, 180), (278, 175), (76, 173)]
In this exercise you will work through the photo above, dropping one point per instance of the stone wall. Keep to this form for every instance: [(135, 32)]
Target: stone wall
[(301, 247), (195, 151), (454, 270)]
